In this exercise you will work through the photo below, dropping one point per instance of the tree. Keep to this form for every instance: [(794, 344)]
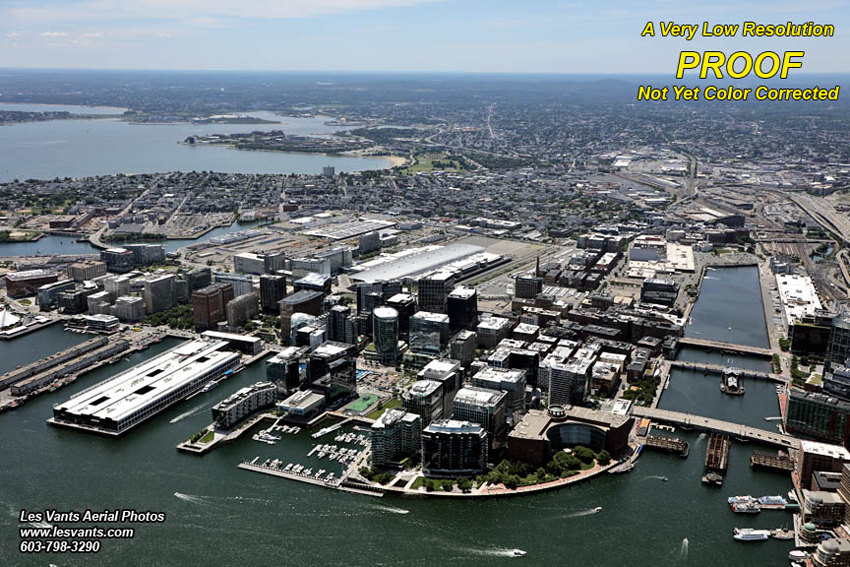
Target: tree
[(428, 484), (604, 457), (584, 454), (512, 482), (464, 484)]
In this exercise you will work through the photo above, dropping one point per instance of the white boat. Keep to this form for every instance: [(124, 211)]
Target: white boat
[(748, 534), (798, 555), (519, 553), (598, 509)]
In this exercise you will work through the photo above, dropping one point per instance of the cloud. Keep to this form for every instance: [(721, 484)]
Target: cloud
[(12, 35), (91, 35), (53, 34)]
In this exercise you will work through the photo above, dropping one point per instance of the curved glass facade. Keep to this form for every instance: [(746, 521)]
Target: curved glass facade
[(571, 434)]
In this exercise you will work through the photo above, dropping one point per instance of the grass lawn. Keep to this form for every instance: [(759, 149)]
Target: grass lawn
[(208, 436), (425, 162), (394, 403), (361, 403)]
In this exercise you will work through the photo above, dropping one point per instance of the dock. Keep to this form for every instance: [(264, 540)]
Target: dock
[(670, 444), (698, 422), (728, 347), (716, 459), (719, 369), (780, 461)]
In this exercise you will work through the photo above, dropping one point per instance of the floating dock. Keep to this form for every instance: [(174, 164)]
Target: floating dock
[(781, 461), (670, 444)]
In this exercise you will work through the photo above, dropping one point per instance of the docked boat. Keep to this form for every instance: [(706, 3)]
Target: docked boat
[(210, 386), (325, 430), (732, 500), (519, 553), (772, 502), (748, 534), (783, 534), (747, 508), (798, 555)]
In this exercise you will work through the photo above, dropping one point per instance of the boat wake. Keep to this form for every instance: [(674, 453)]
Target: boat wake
[(40, 525), (490, 551), (195, 410), (193, 499), (390, 509), (580, 513), (654, 477), (702, 436)]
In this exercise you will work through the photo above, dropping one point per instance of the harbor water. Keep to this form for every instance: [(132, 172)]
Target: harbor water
[(81, 148), (217, 514)]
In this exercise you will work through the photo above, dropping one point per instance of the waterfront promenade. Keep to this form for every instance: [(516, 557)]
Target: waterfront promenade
[(709, 424)]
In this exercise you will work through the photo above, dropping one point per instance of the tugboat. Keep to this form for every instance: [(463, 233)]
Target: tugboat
[(730, 383)]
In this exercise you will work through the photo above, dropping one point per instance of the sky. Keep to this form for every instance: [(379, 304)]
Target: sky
[(484, 36)]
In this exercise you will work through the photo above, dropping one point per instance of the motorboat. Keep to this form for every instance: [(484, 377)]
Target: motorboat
[(519, 553)]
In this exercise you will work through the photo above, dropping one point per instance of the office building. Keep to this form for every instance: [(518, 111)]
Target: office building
[(272, 290), (232, 410), (462, 306), (159, 293), (833, 552), (259, 263), (838, 348), (568, 381), (434, 291), (242, 309), (242, 284), (48, 294), (198, 278), (100, 303), (129, 309), (302, 407), (332, 371), (119, 403), (146, 254), (385, 334), (527, 287), (483, 406), (118, 260), (449, 374), (428, 331), (21, 284), (817, 416), (510, 381), (462, 347), (452, 448), (314, 282), (209, 305), (492, 330), (394, 436), (425, 399), (87, 270), (117, 285), (659, 291), (284, 368), (813, 456), (405, 305)]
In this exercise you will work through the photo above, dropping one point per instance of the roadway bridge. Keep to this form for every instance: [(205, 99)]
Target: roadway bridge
[(731, 347), (719, 368), (699, 422)]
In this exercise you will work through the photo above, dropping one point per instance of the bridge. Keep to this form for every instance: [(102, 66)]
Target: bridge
[(731, 347), (719, 368), (699, 422)]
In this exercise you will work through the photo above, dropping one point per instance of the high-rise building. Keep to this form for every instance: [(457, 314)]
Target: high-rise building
[(117, 285), (462, 306), (527, 287), (242, 309), (48, 294), (20, 284), (146, 254), (428, 331), (88, 270), (482, 406), (838, 348), (341, 325), (492, 330), (833, 552), (509, 381), (452, 448), (241, 283), (118, 260), (425, 399), (568, 381), (285, 367), (272, 290), (405, 305), (434, 290), (385, 334), (659, 291), (462, 347), (449, 374), (817, 416), (259, 263), (395, 435), (209, 305), (129, 309), (332, 371), (159, 293), (198, 278)]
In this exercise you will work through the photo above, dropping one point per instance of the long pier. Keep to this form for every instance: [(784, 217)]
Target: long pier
[(717, 453), (719, 368), (731, 347), (715, 425), (671, 444), (769, 461)]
